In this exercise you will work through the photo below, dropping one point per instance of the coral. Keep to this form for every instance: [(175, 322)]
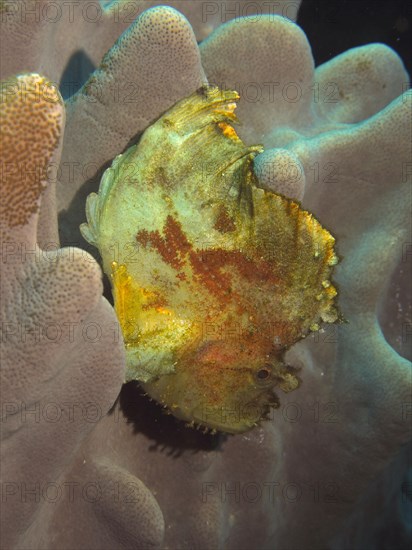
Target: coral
[(52, 360), (48, 35), (328, 446)]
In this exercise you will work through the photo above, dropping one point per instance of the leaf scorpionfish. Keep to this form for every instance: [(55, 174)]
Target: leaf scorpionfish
[(213, 278)]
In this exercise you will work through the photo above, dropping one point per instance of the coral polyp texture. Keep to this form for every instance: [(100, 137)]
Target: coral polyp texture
[(89, 463)]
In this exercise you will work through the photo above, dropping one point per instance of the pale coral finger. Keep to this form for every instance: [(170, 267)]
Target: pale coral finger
[(358, 83), (268, 61), (349, 170)]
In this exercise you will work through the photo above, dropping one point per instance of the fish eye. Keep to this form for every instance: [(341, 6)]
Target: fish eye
[(264, 373)]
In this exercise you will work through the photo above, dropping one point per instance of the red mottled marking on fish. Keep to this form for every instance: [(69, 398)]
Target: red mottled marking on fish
[(172, 247), (224, 223), (208, 265)]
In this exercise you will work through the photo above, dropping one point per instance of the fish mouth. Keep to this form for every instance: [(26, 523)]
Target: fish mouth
[(237, 417)]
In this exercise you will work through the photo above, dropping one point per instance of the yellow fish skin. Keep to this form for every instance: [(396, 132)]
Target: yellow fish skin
[(213, 278)]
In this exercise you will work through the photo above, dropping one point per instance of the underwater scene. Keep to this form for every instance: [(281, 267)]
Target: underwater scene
[(206, 275)]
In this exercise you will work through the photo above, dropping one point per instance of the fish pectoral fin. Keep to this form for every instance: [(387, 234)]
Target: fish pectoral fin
[(145, 365)]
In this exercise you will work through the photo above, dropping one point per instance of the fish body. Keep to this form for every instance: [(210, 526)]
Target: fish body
[(213, 278)]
